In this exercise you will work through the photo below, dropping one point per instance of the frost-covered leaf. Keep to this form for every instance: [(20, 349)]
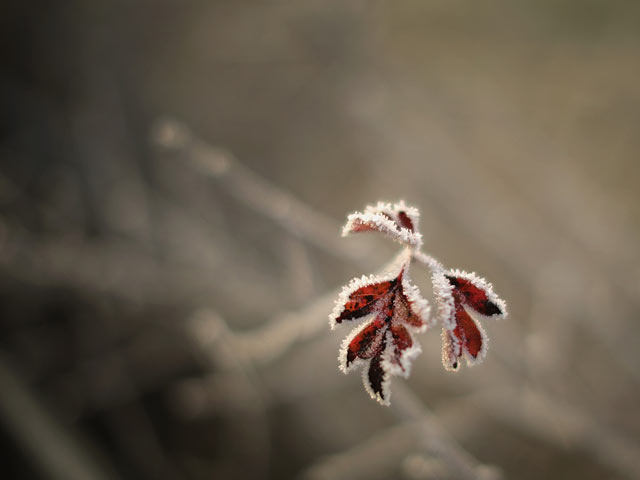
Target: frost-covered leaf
[(397, 220), (391, 309), (461, 296), (383, 345), (476, 293)]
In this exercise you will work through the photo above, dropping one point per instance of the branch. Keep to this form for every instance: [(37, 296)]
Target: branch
[(435, 440), (256, 192), (376, 458), (546, 418), (223, 345)]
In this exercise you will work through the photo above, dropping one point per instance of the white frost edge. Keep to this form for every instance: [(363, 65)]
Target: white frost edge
[(390, 272), (442, 290), (346, 292), (374, 215), (344, 347), (450, 347), (412, 212), (386, 384), (420, 305), (390, 369), (482, 284), (406, 357)]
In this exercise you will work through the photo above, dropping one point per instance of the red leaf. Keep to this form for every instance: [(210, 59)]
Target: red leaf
[(376, 379), (385, 343), (458, 291), (467, 339), (363, 300), (468, 333), (405, 221), (466, 292), (413, 319), (401, 337), (402, 344), (367, 342)]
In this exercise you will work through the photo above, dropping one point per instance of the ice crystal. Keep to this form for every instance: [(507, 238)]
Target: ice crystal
[(391, 309), (398, 221)]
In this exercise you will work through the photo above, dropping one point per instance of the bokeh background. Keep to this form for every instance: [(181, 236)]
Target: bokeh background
[(173, 178)]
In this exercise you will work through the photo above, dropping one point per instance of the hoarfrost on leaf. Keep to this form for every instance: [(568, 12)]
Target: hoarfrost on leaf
[(464, 298), (384, 344), (390, 309), (398, 221)]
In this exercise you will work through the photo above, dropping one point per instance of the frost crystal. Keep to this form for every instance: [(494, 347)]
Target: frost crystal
[(392, 309), (398, 221)]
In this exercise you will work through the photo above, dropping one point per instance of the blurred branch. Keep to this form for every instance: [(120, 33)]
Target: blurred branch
[(546, 418), (546, 237), (125, 269), (535, 412), (234, 350), (54, 451), (300, 269), (266, 343), (256, 192), (376, 458), (435, 440), (210, 332)]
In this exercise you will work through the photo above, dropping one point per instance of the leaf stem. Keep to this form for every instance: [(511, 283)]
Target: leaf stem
[(430, 262)]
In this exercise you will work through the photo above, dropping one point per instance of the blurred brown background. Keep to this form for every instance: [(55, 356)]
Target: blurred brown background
[(173, 178)]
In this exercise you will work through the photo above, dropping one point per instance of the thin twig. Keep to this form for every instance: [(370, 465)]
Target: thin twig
[(430, 262)]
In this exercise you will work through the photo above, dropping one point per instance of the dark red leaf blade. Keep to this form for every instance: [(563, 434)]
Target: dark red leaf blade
[(364, 300), (375, 380), (403, 349), (394, 311), (401, 336), (470, 291), (406, 307), (405, 221), (367, 342), (469, 333)]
